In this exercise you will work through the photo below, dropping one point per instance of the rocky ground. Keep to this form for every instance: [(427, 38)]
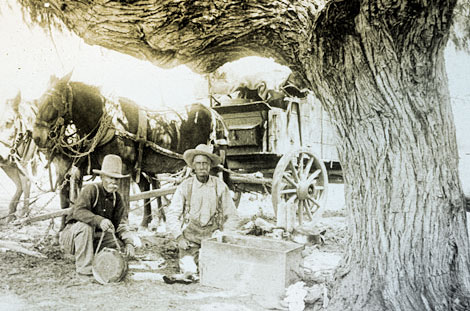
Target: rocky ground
[(49, 282)]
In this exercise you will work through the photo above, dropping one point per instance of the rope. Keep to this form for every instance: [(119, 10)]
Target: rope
[(67, 148)]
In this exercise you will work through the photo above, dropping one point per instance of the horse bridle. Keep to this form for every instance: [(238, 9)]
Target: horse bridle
[(64, 112), (57, 127)]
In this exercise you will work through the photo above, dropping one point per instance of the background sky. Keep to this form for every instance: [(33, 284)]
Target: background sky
[(29, 56)]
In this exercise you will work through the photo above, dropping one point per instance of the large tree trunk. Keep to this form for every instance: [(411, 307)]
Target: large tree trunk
[(386, 87), (378, 68)]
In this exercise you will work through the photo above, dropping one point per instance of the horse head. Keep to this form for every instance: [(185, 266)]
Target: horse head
[(203, 126), (8, 125), (63, 104), (53, 107)]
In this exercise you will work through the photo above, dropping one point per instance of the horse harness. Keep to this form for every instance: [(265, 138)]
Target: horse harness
[(22, 148), (63, 142), (141, 138), (64, 112)]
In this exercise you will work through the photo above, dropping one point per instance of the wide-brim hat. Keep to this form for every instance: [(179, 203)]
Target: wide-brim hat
[(201, 149), (112, 167)]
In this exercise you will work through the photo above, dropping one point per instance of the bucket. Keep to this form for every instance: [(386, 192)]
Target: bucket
[(109, 265)]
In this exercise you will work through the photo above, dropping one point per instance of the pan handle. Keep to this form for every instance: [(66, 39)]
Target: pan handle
[(101, 240)]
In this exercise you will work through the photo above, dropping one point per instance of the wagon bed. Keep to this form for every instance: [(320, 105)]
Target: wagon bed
[(285, 148)]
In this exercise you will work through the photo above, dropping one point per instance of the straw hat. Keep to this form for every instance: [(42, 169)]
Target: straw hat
[(201, 149), (112, 167)]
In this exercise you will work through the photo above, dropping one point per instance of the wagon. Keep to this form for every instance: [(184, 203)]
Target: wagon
[(282, 145), (285, 147)]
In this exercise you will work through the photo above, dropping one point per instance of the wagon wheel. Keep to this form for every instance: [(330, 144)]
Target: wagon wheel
[(300, 178)]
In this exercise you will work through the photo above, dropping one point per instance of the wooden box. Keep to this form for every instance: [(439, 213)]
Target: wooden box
[(250, 264)]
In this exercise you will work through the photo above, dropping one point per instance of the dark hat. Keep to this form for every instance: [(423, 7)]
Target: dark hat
[(112, 167), (201, 149)]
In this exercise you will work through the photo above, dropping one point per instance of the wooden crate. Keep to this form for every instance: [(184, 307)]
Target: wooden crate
[(250, 264)]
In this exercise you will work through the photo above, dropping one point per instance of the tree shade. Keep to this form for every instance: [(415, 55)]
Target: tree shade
[(378, 69)]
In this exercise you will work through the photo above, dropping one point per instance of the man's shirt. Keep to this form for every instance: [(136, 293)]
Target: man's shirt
[(95, 204), (203, 204)]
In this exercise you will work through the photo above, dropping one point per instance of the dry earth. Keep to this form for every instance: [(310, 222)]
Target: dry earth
[(31, 283)]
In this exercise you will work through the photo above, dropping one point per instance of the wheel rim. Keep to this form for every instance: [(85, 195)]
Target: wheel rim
[(300, 178)]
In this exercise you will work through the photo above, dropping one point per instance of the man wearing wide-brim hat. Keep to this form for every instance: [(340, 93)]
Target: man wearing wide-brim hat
[(201, 207), (98, 210)]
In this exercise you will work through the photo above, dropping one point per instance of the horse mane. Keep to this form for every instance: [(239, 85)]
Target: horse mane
[(87, 88), (87, 107), (197, 128)]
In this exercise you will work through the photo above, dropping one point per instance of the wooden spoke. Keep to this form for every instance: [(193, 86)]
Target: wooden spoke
[(313, 176), (308, 167), (290, 180), (294, 171), (314, 201), (301, 164), (307, 209), (301, 211), (288, 191)]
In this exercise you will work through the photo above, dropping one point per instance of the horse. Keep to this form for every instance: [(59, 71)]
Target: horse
[(17, 151), (76, 121)]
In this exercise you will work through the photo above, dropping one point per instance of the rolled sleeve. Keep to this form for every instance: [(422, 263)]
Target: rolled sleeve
[(232, 220), (174, 212), (125, 234)]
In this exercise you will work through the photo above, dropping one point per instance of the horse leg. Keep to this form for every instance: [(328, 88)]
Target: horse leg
[(160, 210), (64, 198), (14, 175), (26, 185), (124, 190), (76, 180), (144, 185), (62, 165)]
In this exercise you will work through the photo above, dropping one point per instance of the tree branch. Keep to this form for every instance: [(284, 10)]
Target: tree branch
[(201, 34)]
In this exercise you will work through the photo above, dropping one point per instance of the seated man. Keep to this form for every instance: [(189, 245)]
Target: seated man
[(99, 208), (201, 207)]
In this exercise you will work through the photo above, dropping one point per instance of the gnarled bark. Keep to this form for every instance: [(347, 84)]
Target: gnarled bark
[(378, 68), (202, 34), (388, 93)]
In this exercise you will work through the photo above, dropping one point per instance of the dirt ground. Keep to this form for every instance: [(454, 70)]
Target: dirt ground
[(31, 283)]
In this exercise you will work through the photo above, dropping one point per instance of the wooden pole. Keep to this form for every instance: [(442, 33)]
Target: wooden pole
[(237, 179), (152, 194), (17, 247), (62, 212), (136, 197)]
